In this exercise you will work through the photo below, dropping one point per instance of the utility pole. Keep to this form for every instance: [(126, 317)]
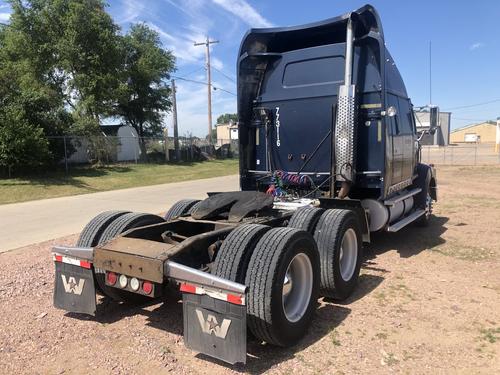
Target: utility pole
[(209, 83), (174, 118)]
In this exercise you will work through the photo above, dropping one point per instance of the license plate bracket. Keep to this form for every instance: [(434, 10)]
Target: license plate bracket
[(214, 327), (74, 289)]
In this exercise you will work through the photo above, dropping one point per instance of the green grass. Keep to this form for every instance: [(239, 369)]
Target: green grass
[(490, 334), (335, 338), (83, 180)]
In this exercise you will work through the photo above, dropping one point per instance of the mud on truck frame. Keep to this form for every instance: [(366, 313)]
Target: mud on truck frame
[(328, 154)]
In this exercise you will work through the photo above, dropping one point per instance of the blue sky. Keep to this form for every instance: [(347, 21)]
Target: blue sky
[(464, 34)]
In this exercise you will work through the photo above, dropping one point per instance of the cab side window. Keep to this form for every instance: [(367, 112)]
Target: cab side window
[(405, 117)]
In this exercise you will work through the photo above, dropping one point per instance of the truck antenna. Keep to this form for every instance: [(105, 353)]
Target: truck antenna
[(430, 72)]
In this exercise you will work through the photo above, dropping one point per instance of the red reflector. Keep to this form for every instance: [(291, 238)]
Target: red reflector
[(234, 299), (188, 288), (58, 258), (111, 278), (147, 287), (85, 264)]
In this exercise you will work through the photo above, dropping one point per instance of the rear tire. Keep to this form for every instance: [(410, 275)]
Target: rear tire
[(180, 208), (90, 235), (234, 255), (306, 218), (117, 227), (338, 236), (283, 280), (193, 208)]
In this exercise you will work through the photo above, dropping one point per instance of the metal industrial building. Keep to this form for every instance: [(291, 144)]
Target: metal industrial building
[(483, 132), (442, 135)]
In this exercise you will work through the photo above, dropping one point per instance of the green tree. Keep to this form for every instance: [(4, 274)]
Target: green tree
[(144, 95), (226, 118), (27, 97), (89, 59), (71, 49), (21, 144)]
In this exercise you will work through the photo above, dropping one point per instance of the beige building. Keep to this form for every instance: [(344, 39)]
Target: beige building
[(484, 132), (226, 132)]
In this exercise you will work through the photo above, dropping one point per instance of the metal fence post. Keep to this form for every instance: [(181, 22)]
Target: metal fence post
[(475, 155), (135, 148), (65, 155), (165, 142)]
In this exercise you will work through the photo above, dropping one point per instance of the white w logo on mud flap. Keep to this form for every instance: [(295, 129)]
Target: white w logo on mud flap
[(71, 286), (211, 325)]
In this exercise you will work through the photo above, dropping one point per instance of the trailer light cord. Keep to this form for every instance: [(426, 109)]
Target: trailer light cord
[(317, 187)]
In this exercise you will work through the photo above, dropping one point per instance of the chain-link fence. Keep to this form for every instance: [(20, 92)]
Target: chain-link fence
[(461, 154), (75, 150)]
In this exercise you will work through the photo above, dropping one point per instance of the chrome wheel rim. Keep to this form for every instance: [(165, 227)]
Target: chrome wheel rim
[(297, 287), (348, 254), (428, 206)]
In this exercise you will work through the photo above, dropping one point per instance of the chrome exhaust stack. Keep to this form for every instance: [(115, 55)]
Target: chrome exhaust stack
[(344, 141)]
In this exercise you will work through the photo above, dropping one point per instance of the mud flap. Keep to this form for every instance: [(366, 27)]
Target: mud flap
[(74, 289), (215, 327)]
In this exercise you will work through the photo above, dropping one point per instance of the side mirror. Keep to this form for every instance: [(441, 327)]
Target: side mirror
[(434, 119)]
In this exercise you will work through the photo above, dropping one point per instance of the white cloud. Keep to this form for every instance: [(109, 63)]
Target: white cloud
[(244, 11), (182, 46), (132, 10), (195, 19), (4, 17), (217, 63), (476, 45)]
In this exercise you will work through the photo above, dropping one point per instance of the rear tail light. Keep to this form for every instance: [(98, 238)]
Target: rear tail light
[(123, 281), (134, 284), (147, 287), (111, 278)]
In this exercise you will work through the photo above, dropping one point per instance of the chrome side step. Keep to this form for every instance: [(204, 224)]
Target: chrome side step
[(402, 197), (405, 221)]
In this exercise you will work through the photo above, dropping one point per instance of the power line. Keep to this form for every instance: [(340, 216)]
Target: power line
[(473, 105), (192, 72), (468, 119), (229, 92), (224, 74), (204, 83)]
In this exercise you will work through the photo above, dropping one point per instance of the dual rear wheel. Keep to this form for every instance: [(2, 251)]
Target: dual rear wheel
[(285, 268), (337, 234), (280, 266), (105, 227)]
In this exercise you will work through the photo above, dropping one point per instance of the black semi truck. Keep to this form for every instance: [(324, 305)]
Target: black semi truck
[(328, 154)]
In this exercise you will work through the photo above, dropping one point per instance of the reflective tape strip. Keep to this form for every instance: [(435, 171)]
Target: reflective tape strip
[(73, 261), (220, 295), (371, 105)]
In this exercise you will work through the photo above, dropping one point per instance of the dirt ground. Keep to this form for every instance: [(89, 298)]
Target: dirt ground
[(428, 301)]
